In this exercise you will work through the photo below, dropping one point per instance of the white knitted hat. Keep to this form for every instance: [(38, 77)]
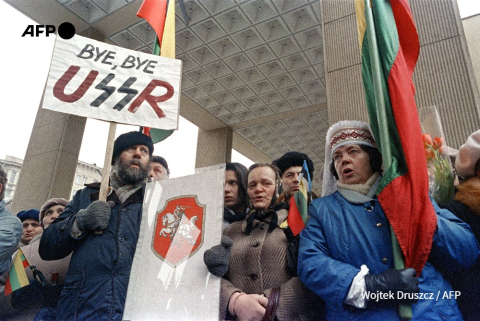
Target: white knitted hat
[(345, 132), (468, 156)]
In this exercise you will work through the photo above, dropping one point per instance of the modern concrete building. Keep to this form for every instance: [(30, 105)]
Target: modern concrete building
[(471, 26), (85, 173), (261, 76)]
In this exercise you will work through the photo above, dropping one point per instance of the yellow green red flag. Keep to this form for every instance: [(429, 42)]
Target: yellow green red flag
[(17, 277)]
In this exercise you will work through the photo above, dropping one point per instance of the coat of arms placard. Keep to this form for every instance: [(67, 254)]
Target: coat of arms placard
[(178, 229)]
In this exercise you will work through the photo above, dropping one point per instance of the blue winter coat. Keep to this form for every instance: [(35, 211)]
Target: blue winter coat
[(97, 279), (341, 236), (10, 233)]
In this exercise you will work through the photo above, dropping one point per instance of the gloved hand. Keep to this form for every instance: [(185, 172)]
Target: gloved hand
[(95, 217), (27, 296), (51, 294), (247, 307), (217, 258), (404, 281)]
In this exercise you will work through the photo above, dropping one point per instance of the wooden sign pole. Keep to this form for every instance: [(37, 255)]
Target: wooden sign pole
[(107, 163)]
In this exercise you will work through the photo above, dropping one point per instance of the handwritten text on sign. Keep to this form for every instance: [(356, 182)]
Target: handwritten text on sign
[(93, 79)]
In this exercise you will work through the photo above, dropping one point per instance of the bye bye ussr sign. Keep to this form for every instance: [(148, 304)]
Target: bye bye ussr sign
[(93, 79)]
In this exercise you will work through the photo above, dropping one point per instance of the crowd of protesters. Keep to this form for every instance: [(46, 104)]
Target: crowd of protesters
[(340, 266)]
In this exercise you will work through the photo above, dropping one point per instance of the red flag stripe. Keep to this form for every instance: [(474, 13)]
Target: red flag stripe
[(412, 187), (154, 11)]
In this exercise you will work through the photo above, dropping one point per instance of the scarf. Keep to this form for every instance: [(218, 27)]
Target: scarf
[(360, 193), (231, 216), (123, 191), (263, 215)]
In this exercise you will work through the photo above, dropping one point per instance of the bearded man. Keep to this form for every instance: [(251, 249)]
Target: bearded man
[(102, 236)]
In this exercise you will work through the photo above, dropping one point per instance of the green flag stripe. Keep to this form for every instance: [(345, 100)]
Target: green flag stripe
[(14, 281), (388, 47)]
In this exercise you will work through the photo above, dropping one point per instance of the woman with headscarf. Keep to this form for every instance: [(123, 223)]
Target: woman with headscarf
[(346, 255), (258, 284)]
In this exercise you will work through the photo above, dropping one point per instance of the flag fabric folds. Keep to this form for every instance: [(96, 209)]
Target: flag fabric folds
[(298, 208), (17, 277), (403, 190), (154, 11), (162, 20)]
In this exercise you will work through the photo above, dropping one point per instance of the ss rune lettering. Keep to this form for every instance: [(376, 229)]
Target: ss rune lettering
[(145, 95)]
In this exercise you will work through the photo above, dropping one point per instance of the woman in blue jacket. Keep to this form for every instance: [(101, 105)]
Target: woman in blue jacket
[(346, 252)]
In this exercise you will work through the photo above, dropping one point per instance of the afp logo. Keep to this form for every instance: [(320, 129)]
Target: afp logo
[(66, 30)]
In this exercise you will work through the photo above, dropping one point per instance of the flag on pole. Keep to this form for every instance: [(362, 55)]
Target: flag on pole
[(390, 48), (154, 11), (17, 277), (162, 20), (298, 209)]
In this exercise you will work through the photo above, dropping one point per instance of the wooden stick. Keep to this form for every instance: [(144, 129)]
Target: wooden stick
[(107, 163)]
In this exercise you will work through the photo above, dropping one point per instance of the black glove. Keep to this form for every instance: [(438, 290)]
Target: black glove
[(217, 258), (399, 282), (95, 217), (27, 296), (51, 294)]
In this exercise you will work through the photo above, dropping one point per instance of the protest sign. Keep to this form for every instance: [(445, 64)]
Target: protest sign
[(93, 79), (182, 217)]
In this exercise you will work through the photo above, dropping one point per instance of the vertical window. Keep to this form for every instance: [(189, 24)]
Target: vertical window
[(12, 176)]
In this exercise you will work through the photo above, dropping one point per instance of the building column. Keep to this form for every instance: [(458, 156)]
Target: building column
[(214, 146), (51, 159)]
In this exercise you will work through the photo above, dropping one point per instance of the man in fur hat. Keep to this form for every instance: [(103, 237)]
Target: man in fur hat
[(290, 165), (102, 236)]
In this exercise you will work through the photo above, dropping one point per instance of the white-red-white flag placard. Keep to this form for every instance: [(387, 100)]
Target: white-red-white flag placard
[(93, 79), (182, 217)]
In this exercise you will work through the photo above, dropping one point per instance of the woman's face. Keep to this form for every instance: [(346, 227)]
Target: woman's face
[(352, 164), (261, 187), (51, 214)]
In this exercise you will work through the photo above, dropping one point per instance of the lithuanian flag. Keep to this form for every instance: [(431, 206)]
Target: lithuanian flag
[(390, 48), (17, 277), (163, 22), (298, 207)]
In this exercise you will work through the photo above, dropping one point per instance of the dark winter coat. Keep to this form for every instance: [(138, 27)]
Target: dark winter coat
[(97, 279), (466, 206)]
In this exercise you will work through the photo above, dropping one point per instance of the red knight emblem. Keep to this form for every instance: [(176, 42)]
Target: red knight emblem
[(178, 229)]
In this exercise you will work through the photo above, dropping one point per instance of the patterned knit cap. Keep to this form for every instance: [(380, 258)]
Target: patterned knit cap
[(345, 132)]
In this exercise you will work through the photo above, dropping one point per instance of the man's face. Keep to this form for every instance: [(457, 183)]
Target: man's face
[(132, 165), (157, 171), (51, 214), (290, 181), (31, 228), (352, 164), (232, 199)]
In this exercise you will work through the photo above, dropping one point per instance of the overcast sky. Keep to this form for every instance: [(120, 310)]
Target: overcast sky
[(25, 63)]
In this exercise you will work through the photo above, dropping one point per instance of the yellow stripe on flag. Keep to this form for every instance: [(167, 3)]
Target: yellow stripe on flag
[(361, 22), (168, 39), (20, 268)]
